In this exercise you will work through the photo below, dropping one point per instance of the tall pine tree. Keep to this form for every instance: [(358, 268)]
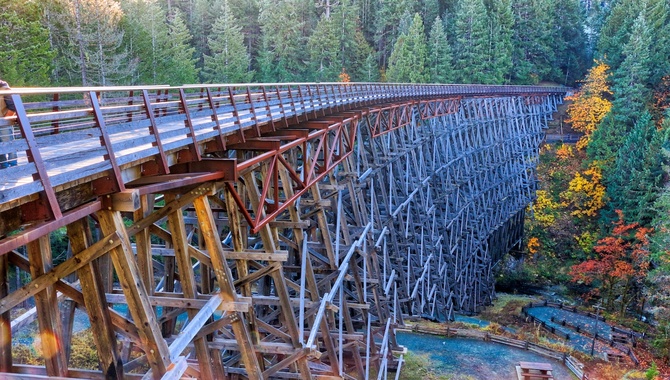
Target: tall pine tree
[(408, 60), (471, 52), (440, 61), (229, 62)]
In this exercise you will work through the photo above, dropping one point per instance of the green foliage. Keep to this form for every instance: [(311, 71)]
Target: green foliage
[(283, 41), (22, 35), (323, 52), (182, 69), (158, 45), (652, 372), (410, 54), (471, 46), (637, 176), (229, 62), (440, 60)]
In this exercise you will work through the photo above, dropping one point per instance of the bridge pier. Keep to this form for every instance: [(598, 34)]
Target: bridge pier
[(289, 249)]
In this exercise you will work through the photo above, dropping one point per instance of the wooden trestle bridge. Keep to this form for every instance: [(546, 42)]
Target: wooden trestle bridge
[(256, 231)]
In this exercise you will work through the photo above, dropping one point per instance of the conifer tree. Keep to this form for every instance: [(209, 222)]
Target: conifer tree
[(533, 56), (407, 63), (283, 42), (616, 32), (501, 22), (145, 36), (635, 183), (22, 35), (323, 50), (440, 65), (471, 43), (229, 62), (387, 22), (181, 67), (630, 79)]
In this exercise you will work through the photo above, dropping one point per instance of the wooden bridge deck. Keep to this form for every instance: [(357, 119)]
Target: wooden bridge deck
[(68, 138)]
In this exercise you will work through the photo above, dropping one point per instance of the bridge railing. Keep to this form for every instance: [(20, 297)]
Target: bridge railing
[(64, 135)]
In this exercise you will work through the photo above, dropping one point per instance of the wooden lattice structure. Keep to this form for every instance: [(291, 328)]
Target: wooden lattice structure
[(276, 231)]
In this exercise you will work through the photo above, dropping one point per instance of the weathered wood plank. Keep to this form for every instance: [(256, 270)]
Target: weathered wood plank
[(48, 315), (153, 344), (94, 299)]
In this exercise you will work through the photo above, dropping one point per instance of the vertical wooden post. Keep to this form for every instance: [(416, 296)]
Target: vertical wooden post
[(48, 315), (188, 284), (143, 244), (225, 279), (136, 294), (96, 305), (5, 321)]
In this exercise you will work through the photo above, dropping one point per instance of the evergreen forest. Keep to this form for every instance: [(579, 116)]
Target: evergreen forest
[(145, 42), (600, 226)]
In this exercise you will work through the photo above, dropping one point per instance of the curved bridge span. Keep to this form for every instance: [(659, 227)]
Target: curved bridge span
[(255, 231)]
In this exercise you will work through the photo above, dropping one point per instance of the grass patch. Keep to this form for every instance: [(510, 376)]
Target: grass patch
[(420, 367)]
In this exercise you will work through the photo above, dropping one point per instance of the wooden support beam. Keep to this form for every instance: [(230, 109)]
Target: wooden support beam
[(48, 315), (136, 294), (94, 297), (188, 285), (224, 277), (5, 320)]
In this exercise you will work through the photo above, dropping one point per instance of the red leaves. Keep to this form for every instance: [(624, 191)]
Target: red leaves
[(622, 259)]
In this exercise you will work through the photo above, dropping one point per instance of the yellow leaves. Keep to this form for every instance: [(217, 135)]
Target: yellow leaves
[(564, 152), (533, 245), (590, 105), (585, 194), (545, 208)]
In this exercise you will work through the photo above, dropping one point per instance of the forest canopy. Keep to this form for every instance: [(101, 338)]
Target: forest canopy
[(144, 42)]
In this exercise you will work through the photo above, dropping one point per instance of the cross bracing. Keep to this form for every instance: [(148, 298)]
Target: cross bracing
[(257, 231)]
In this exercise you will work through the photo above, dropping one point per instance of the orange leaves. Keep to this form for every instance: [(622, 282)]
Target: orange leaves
[(564, 152), (590, 105), (585, 193), (621, 262), (533, 245), (344, 77)]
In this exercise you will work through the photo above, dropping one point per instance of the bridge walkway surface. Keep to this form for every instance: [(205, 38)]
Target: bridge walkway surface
[(291, 226)]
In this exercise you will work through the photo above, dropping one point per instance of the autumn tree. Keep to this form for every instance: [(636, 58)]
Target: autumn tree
[(591, 103), (620, 265), (586, 193)]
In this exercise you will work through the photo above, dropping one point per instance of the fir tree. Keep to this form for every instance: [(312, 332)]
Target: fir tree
[(630, 92), (22, 35), (635, 182), (407, 63), (180, 67), (229, 62), (282, 58), (440, 65), (501, 22), (323, 50), (471, 64)]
